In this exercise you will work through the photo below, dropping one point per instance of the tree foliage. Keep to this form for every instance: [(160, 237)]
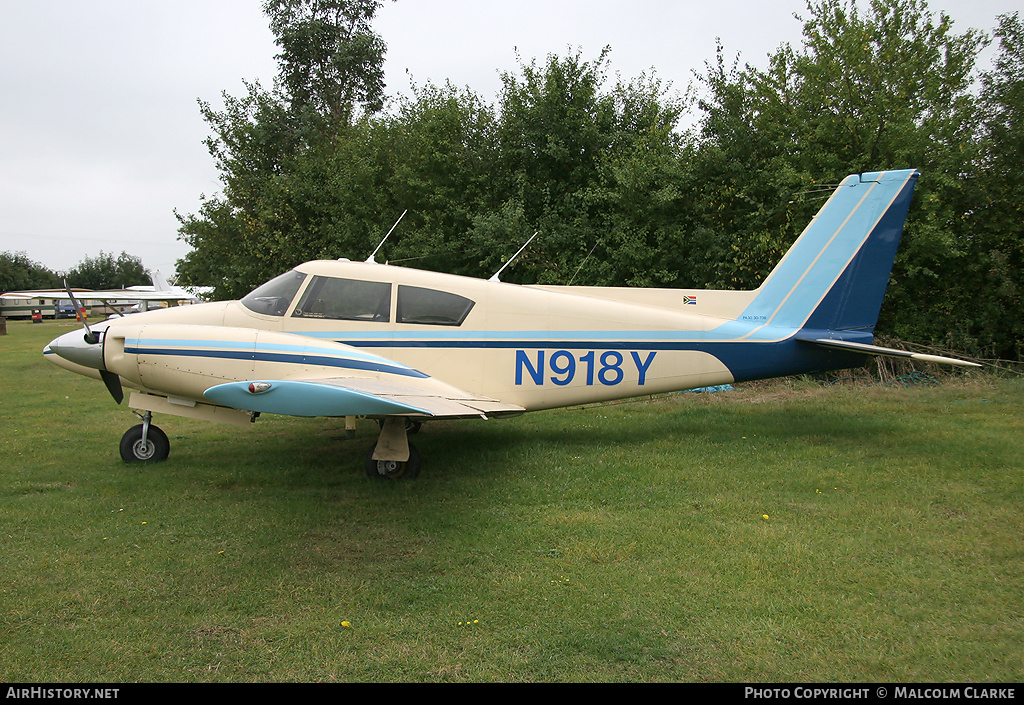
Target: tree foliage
[(592, 167), (996, 222), (275, 147), (620, 195), (19, 273), (331, 62), (107, 272), (890, 87)]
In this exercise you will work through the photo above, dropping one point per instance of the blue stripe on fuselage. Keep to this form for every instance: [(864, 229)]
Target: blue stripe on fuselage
[(745, 360), (295, 359)]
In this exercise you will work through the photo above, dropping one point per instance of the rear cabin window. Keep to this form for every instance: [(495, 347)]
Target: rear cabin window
[(274, 297), (431, 307), (345, 299)]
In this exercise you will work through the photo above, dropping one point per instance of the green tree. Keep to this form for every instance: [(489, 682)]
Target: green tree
[(314, 167), (441, 150), (886, 88), (592, 168), (331, 62), (107, 272), (996, 222), (273, 147), (18, 273)]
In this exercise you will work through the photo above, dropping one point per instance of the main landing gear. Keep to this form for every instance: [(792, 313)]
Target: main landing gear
[(393, 456), (145, 443)]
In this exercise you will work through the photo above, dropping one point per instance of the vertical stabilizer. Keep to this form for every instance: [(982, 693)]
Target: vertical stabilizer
[(835, 275), (159, 283)]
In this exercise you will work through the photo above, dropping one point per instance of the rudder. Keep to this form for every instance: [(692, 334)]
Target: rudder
[(855, 300), (835, 275)]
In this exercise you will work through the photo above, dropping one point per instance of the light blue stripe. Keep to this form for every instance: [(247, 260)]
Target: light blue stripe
[(299, 358), (354, 353), (728, 331)]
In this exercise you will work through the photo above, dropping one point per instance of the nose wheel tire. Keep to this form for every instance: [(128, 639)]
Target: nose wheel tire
[(393, 469), (155, 449)]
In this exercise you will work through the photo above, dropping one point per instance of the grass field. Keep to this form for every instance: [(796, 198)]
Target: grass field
[(782, 532)]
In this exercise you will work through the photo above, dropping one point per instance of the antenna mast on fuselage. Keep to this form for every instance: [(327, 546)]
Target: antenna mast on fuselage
[(370, 259), (512, 258)]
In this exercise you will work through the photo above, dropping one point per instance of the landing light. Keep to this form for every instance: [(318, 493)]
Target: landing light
[(257, 387)]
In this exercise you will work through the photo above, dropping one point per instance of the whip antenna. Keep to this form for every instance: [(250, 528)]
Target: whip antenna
[(495, 277), (370, 259)]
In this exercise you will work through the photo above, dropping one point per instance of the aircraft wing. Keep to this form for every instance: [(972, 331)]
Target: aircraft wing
[(105, 295), (356, 396), (40, 294), (132, 295)]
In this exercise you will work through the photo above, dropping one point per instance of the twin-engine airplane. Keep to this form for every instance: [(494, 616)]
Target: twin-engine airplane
[(341, 338)]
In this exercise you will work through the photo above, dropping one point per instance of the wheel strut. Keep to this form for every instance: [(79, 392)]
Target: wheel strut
[(147, 418), (144, 443), (392, 456)]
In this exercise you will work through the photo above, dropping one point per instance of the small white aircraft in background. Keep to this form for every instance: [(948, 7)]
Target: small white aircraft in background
[(347, 339), (159, 292), (120, 300)]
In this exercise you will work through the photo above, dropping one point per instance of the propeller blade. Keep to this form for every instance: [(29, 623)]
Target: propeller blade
[(90, 337), (110, 380), (113, 383)]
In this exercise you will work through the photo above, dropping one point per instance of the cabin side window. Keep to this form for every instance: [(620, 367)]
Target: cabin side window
[(432, 307), (274, 297), (345, 299)]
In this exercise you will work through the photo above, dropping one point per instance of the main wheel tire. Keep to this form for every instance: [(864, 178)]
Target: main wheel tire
[(155, 449), (393, 469)]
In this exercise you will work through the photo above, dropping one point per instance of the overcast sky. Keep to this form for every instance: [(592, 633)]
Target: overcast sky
[(101, 134)]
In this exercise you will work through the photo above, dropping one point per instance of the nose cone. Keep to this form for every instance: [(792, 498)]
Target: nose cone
[(74, 347)]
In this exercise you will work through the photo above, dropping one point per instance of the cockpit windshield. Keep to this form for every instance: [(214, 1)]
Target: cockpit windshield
[(274, 297)]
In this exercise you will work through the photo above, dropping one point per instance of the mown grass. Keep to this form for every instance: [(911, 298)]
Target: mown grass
[(780, 532)]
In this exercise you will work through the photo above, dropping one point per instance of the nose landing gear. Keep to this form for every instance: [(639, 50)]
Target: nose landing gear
[(144, 443)]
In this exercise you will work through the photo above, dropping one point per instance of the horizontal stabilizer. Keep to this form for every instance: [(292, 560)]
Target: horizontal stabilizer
[(887, 352)]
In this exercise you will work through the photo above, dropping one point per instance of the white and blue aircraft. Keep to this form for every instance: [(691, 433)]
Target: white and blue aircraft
[(361, 339), (133, 298)]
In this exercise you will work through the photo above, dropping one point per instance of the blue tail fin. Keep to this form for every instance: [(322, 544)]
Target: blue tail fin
[(835, 275)]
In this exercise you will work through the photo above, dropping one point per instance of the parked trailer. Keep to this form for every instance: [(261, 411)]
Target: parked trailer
[(23, 308), (49, 308)]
